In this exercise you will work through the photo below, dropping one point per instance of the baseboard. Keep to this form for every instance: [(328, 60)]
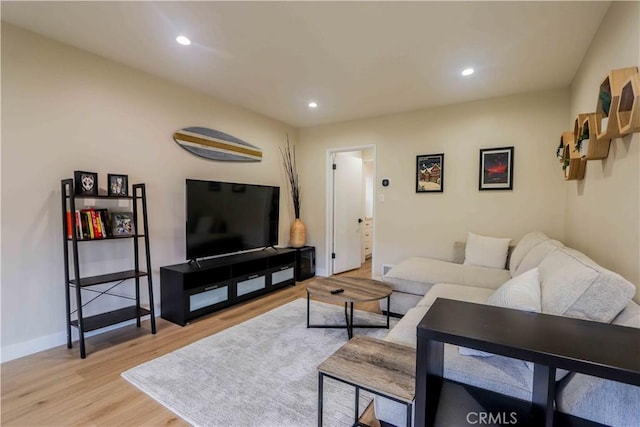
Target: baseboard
[(36, 345), (321, 272)]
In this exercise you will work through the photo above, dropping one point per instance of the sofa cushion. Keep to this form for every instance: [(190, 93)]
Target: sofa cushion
[(534, 257), (486, 251), (414, 272), (604, 401), (405, 331), (459, 249), (400, 302), (573, 285), (400, 284), (457, 292), (520, 293), (630, 316), (528, 242)]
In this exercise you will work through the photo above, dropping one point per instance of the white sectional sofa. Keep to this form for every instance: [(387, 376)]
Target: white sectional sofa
[(570, 284)]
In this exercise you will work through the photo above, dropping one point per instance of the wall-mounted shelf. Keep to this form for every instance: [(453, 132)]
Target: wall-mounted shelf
[(589, 146), (574, 165), (629, 106), (608, 101)]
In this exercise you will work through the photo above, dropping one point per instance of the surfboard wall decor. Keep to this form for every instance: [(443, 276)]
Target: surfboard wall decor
[(216, 145)]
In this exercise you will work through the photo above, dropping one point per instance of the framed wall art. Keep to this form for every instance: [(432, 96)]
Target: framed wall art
[(118, 185), (496, 169), (86, 183), (430, 173), (122, 224)]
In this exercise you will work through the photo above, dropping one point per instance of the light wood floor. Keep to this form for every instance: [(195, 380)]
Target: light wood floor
[(57, 388)]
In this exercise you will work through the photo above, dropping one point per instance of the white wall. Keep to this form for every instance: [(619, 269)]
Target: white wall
[(603, 210), (63, 110), (410, 224)]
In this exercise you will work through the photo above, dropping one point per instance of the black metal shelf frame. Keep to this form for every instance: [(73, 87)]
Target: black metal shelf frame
[(89, 323)]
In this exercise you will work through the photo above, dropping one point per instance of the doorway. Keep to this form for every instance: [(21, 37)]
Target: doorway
[(350, 207)]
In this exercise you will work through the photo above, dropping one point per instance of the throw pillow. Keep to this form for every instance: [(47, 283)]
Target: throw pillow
[(486, 251), (521, 293)]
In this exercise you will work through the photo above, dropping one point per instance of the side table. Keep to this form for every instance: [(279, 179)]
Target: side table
[(380, 367), (550, 342)]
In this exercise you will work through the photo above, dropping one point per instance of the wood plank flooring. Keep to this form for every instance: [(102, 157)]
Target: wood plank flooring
[(56, 387)]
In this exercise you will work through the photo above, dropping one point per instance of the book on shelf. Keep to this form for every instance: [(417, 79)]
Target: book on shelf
[(106, 221), (99, 224), (69, 235), (78, 224), (95, 218), (79, 232)]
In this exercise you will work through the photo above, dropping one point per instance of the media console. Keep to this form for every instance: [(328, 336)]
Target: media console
[(188, 292)]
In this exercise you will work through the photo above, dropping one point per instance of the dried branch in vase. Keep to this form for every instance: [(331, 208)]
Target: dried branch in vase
[(289, 163)]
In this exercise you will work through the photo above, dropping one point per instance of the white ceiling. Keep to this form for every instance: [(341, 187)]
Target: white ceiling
[(356, 59)]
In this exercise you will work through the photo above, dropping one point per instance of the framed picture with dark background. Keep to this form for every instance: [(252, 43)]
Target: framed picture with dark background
[(86, 183), (122, 224), (496, 169), (430, 173), (118, 185)]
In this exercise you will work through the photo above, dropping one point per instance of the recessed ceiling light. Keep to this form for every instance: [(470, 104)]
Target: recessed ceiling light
[(183, 40), (467, 71), (313, 104)]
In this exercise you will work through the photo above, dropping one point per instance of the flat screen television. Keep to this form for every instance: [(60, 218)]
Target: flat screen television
[(226, 217)]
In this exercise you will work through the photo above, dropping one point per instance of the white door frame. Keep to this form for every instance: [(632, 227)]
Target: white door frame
[(329, 201)]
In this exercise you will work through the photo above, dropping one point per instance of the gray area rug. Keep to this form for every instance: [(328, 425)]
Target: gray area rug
[(259, 373)]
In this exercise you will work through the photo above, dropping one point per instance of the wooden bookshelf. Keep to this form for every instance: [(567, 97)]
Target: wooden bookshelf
[(629, 105), (608, 104)]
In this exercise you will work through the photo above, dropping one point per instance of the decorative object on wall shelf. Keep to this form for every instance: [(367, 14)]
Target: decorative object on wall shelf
[(430, 173), (496, 169), (118, 185), (573, 164), (586, 142), (85, 183), (606, 120), (298, 231), (560, 151), (215, 145), (629, 106)]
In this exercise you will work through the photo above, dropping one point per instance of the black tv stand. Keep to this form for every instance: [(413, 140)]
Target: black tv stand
[(270, 247), (197, 288)]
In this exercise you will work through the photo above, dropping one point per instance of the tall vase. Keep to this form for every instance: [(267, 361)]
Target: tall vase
[(297, 234)]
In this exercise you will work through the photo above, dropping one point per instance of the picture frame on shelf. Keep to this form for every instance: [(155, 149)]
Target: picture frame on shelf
[(496, 169), (85, 183), (122, 224), (430, 173), (118, 185)]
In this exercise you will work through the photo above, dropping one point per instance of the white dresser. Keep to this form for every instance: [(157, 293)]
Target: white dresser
[(367, 237)]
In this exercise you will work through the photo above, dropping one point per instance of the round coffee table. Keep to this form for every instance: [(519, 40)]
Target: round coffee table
[(348, 290)]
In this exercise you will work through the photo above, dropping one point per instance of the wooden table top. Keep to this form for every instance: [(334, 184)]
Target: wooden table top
[(378, 365), (356, 289)]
